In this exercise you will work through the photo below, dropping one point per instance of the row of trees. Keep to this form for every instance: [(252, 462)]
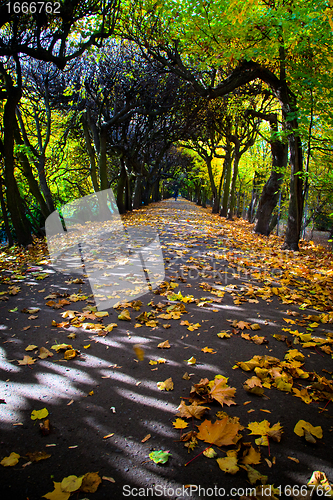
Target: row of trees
[(150, 98)]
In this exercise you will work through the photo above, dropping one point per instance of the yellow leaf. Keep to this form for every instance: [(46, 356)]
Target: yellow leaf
[(101, 314), (70, 354), (71, 483), (60, 347), (255, 326), (164, 345), (208, 349), (57, 493), (44, 353), (224, 335), (31, 347), (252, 456), (139, 352), (152, 362), (110, 327), (11, 460), (39, 414), (179, 423), (124, 315), (90, 482), (27, 360), (191, 361), (167, 385), (302, 425), (228, 464), (210, 453), (86, 346)]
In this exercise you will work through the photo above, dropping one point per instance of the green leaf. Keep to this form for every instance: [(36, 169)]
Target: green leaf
[(160, 456)]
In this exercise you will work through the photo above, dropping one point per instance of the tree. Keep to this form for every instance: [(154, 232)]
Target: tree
[(249, 41), (52, 37)]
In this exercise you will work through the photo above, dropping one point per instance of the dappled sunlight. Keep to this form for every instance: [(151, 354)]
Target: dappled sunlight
[(6, 365), (159, 404)]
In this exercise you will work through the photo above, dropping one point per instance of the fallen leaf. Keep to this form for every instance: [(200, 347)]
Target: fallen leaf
[(179, 424), (208, 349), (39, 414), (31, 347), (124, 315), (108, 435), (191, 360), (210, 453), (159, 457), (146, 438), (71, 483), (164, 345), (139, 352), (36, 456), (90, 482), (27, 360), (228, 464), (44, 353), (57, 493), (302, 427), (11, 460), (167, 385), (194, 410), (220, 433)]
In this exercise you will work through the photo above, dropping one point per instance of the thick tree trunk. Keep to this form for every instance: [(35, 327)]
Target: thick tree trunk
[(17, 214), (270, 192), (102, 164), (295, 210), (27, 170)]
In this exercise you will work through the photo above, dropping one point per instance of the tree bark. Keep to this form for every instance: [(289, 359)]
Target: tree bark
[(5, 216), (226, 188)]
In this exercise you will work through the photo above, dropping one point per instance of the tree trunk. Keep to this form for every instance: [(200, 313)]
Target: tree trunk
[(103, 175), (215, 209), (137, 200), (226, 187), (295, 210), (17, 214), (27, 170), (121, 188), (237, 157), (270, 192), (5, 216), (91, 153)]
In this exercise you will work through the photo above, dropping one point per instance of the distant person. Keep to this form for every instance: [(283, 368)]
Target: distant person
[(176, 195)]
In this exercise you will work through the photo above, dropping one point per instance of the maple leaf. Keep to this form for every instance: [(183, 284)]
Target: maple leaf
[(224, 335), (27, 360), (208, 349), (57, 493), (251, 456), (179, 424), (220, 433), (222, 393), (194, 410), (263, 429), (242, 325)]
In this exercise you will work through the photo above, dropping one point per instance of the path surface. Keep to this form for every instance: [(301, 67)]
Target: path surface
[(107, 391)]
